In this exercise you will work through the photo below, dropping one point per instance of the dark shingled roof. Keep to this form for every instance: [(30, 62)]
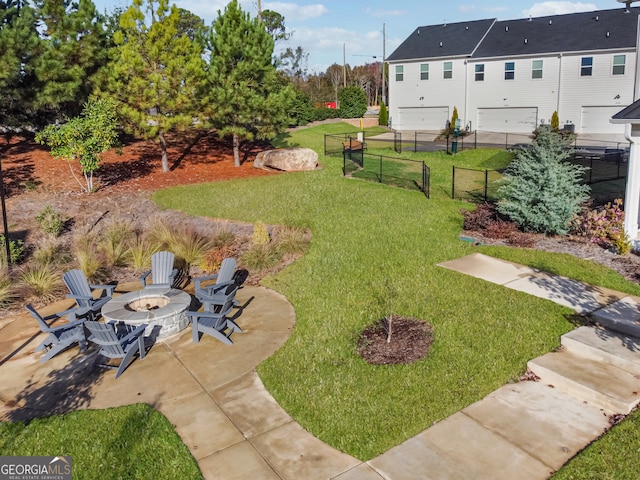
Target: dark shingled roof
[(575, 32), (632, 112), (587, 31), (457, 39)]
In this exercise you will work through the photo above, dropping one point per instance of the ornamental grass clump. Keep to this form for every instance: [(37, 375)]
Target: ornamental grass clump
[(541, 192)]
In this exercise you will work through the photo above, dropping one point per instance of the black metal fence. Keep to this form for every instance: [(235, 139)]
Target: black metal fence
[(335, 143), (398, 172), (475, 185), (612, 164)]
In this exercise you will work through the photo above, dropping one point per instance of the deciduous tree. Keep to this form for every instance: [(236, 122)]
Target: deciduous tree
[(84, 138)]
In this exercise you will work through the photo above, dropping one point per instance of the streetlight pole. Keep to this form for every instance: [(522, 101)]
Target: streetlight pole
[(384, 54)]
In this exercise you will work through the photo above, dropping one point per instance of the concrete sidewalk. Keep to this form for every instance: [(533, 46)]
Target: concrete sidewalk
[(235, 429)]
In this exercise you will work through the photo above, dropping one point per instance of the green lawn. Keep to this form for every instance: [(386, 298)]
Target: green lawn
[(369, 239), (133, 442), (372, 245)]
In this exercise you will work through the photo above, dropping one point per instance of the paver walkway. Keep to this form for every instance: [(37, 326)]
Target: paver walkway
[(236, 430)]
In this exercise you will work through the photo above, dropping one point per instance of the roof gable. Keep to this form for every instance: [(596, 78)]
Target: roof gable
[(445, 40), (632, 112)]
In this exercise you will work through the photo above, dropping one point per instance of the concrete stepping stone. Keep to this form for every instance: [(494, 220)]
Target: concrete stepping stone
[(606, 346), (608, 387), (548, 424), (459, 448), (622, 316), (488, 268)]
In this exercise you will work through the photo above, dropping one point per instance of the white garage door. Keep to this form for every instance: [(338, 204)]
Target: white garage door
[(596, 120), (422, 118), (512, 120)]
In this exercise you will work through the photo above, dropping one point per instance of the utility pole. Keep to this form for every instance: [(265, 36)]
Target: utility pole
[(259, 12), (384, 54), (344, 65)]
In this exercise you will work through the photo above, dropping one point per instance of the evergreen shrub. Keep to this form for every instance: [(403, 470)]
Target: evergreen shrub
[(353, 102), (541, 192)]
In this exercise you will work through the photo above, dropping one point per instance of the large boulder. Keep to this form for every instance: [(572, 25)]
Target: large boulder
[(287, 159)]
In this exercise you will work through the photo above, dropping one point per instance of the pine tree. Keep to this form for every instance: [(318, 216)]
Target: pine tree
[(73, 50), (155, 72), (541, 191), (242, 95), (19, 43)]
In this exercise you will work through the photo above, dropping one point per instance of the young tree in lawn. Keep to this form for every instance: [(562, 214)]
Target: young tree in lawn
[(154, 73), (242, 95), (84, 138), (72, 51)]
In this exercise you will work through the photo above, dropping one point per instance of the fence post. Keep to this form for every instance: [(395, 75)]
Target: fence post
[(506, 141), (590, 170), (453, 182), (475, 140), (380, 168), (415, 142), (486, 185), (344, 163)]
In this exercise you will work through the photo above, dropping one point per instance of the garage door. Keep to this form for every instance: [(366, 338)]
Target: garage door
[(596, 120), (422, 118), (512, 120)]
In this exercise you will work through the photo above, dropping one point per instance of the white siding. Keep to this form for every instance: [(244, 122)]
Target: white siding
[(437, 91), (530, 97), (560, 89), (599, 89)]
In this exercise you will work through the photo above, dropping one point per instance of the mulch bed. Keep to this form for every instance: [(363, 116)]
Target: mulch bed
[(410, 341)]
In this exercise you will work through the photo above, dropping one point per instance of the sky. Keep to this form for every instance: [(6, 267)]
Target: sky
[(351, 31)]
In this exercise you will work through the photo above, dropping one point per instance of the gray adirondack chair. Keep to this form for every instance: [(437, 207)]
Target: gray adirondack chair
[(123, 342), (216, 324), (62, 336), (216, 295), (162, 272), (82, 292)]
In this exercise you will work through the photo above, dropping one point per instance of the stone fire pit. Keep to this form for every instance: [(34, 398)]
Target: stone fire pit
[(161, 307)]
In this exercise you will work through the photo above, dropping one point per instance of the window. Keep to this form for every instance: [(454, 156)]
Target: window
[(536, 69), (424, 71), (509, 70), (479, 72), (586, 67), (399, 73), (448, 70), (618, 64)]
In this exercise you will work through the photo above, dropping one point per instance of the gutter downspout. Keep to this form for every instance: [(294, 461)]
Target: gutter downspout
[(632, 193)]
